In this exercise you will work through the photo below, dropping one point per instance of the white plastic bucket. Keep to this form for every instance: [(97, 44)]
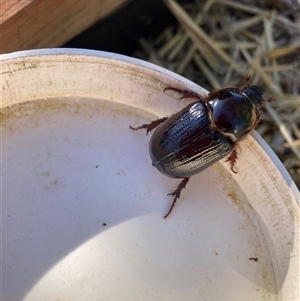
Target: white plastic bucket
[(82, 207)]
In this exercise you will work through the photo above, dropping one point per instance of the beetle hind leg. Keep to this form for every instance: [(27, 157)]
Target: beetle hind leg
[(185, 93), (150, 126), (176, 194)]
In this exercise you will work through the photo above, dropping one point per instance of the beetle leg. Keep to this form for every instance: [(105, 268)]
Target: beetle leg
[(185, 93), (176, 194), (150, 126), (232, 159)]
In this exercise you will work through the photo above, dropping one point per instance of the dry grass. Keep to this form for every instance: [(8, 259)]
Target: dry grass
[(218, 42)]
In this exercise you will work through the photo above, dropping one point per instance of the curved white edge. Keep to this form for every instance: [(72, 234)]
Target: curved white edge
[(278, 207), (283, 195), (284, 251), (279, 165), (103, 54)]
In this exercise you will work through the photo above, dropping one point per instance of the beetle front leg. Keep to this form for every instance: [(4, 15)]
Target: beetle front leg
[(232, 159), (176, 194), (150, 126)]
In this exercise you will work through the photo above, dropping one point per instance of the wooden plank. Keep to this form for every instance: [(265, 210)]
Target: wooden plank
[(28, 24)]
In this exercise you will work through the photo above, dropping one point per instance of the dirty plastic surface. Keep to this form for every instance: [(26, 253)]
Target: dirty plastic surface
[(83, 207)]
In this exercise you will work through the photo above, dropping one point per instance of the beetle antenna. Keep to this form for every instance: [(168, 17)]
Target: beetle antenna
[(270, 99), (248, 77), (266, 99)]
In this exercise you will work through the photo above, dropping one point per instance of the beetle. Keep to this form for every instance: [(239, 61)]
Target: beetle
[(204, 132)]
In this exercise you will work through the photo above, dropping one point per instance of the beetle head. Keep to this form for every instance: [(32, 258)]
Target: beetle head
[(254, 94)]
